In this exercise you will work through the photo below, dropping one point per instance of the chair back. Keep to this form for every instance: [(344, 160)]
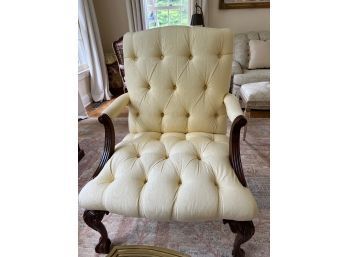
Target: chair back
[(177, 78)]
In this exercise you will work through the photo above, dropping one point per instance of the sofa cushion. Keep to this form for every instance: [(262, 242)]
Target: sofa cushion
[(250, 76), (161, 176), (256, 94), (259, 54)]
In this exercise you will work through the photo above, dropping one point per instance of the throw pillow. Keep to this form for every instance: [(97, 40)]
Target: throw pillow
[(259, 54)]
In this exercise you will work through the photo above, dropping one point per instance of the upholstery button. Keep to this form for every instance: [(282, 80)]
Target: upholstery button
[(219, 56), (162, 114), (187, 115), (145, 181), (216, 184), (162, 57), (179, 182), (199, 158), (205, 87), (135, 58), (137, 114), (216, 115), (148, 86), (138, 155), (190, 57), (174, 87)]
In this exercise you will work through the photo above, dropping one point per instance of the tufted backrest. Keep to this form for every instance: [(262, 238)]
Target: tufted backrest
[(177, 78), (241, 45)]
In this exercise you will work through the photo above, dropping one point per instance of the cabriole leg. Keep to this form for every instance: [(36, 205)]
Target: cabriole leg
[(244, 230), (93, 220)]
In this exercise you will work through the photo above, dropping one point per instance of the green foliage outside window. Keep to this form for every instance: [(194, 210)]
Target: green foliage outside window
[(167, 16)]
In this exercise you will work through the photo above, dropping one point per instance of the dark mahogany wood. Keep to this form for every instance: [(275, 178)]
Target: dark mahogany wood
[(244, 230), (93, 220), (235, 159), (81, 153), (109, 144)]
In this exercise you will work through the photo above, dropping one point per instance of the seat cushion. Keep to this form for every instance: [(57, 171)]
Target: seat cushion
[(251, 76), (170, 176), (256, 94)]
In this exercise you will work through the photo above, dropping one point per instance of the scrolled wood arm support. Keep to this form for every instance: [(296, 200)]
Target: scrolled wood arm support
[(239, 122), (109, 144)]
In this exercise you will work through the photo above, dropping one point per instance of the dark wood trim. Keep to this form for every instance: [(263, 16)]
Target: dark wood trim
[(241, 5), (81, 153), (109, 144), (235, 159), (93, 220), (244, 230)]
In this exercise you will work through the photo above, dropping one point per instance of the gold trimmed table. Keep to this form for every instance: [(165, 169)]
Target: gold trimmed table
[(143, 251)]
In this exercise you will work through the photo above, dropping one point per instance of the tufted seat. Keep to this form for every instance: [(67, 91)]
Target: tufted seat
[(170, 176), (176, 162)]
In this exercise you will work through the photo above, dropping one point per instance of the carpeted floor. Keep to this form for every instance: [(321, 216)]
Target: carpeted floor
[(205, 239)]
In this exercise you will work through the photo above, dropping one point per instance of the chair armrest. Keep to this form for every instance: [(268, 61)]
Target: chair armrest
[(235, 114), (112, 111), (116, 107), (236, 68), (233, 108)]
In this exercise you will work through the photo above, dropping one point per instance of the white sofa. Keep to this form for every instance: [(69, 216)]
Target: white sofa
[(240, 73)]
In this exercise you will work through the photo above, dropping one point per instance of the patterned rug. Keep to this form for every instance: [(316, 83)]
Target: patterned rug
[(203, 239)]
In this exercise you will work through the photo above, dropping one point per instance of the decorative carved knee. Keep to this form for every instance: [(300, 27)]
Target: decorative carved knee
[(93, 220), (244, 230)]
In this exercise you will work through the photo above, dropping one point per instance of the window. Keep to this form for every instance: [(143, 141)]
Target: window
[(160, 13)]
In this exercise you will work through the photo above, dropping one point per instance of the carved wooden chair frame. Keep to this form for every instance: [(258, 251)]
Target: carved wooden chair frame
[(244, 229)]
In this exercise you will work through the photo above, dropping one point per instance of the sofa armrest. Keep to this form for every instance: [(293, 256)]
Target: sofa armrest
[(233, 108), (116, 107), (236, 68)]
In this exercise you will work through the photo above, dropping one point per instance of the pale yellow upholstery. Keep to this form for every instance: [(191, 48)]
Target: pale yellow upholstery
[(232, 107), (117, 106), (174, 164), (177, 78)]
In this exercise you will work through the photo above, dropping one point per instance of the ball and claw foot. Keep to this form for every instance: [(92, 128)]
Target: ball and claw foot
[(238, 252), (93, 220), (244, 230), (103, 246)]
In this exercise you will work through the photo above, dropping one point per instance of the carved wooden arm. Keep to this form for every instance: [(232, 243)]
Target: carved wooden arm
[(109, 144), (112, 111), (235, 159), (235, 114)]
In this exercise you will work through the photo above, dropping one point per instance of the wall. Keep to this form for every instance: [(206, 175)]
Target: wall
[(112, 21), (85, 88), (238, 20)]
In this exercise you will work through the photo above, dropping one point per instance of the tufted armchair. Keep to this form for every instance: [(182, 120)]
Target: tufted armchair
[(176, 163)]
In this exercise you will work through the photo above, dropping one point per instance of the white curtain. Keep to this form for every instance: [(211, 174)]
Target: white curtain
[(94, 51), (204, 5), (135, 13)]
